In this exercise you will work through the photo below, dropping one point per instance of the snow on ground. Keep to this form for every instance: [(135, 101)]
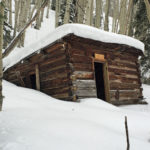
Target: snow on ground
[(31, 120)]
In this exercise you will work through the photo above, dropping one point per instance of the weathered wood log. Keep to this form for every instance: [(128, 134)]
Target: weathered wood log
[(37, 77), (123, 86), (84, 75), (85, 83)]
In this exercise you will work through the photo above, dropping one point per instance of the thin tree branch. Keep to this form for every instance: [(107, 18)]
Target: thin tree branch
[(13, 44)]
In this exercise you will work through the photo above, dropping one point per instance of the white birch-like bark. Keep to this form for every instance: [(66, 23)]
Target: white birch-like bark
[(57, 12), (129, 16), (106, 23), (123, 13), (1, 47), (10, 12), (115, 16), (89, 5), (80, 4), (98, 13), (48, 8), (67, 12), (16, 17), (147, 3)]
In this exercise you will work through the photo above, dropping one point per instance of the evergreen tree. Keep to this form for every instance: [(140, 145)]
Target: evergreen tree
[(142, 32)]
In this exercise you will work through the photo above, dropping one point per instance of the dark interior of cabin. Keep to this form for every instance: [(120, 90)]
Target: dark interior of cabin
[(33, 81), (99, 80)]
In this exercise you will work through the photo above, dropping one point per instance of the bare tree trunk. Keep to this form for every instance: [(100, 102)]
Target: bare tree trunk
[(123, 12), (67, 12), (16, 16), (38, 20), (1, 47), (98, 13), (115, 16), (48, 8), (13, 44), (129, 16), (10, 12), (106, 23), (57, 12), (89, 5), (80, 4), (147, 3)]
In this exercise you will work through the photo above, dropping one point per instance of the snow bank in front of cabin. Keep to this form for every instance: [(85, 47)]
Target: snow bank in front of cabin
[(76, 29), (31, 120)]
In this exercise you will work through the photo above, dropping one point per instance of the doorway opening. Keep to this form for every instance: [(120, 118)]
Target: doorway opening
[(33, 81), (99, 78)]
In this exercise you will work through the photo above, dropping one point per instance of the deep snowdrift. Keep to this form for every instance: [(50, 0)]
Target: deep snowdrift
[(31, 120)]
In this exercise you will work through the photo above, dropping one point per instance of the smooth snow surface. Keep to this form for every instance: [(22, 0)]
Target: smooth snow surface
[(31, 120), (76, 29)]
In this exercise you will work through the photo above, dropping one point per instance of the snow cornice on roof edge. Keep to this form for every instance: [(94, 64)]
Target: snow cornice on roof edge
[(80, 30)]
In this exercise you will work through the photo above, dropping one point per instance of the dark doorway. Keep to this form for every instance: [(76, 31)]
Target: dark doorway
[(99, 80), (33, 81)]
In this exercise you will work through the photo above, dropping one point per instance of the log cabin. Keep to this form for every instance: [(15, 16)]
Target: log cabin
[(78, 61)]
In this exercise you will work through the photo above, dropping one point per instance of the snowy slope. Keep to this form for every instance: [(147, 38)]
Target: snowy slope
[(31, 120)]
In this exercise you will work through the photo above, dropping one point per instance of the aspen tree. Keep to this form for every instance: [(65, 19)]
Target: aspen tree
[(1, 47), (98, 13), (80, 4), (10, 12), (89, 14), (67, 12), (115, 16), (48, 8), (106, 23), (57, 12), (122, 20), (38, 20), (16, 16), (129, 16), (147, 3)]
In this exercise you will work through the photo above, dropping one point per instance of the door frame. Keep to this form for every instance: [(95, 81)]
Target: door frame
[(105, 77)]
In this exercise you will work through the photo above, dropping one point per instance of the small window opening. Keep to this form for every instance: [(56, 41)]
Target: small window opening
[(33, 81)]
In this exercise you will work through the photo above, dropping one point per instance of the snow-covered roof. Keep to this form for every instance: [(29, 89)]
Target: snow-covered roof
[(80, 30)]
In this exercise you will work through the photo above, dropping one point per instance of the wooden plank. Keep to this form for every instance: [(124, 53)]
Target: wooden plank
[(55, 47), (121, 64), (37, 77), (122, 68), (86, 92), (123, 86), (55, 83), (120, 71), (83, 67), (124, 75), (84, 75), (53, 60), (125, 94), (106, 81), (85, 83), (51, 66), (63, 96), (119, 78), (81, 59), (80, 52), (52, 76), (57, 90)]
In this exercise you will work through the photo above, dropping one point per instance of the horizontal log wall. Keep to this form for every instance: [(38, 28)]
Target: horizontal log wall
[(54, 71), (123, 71)]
